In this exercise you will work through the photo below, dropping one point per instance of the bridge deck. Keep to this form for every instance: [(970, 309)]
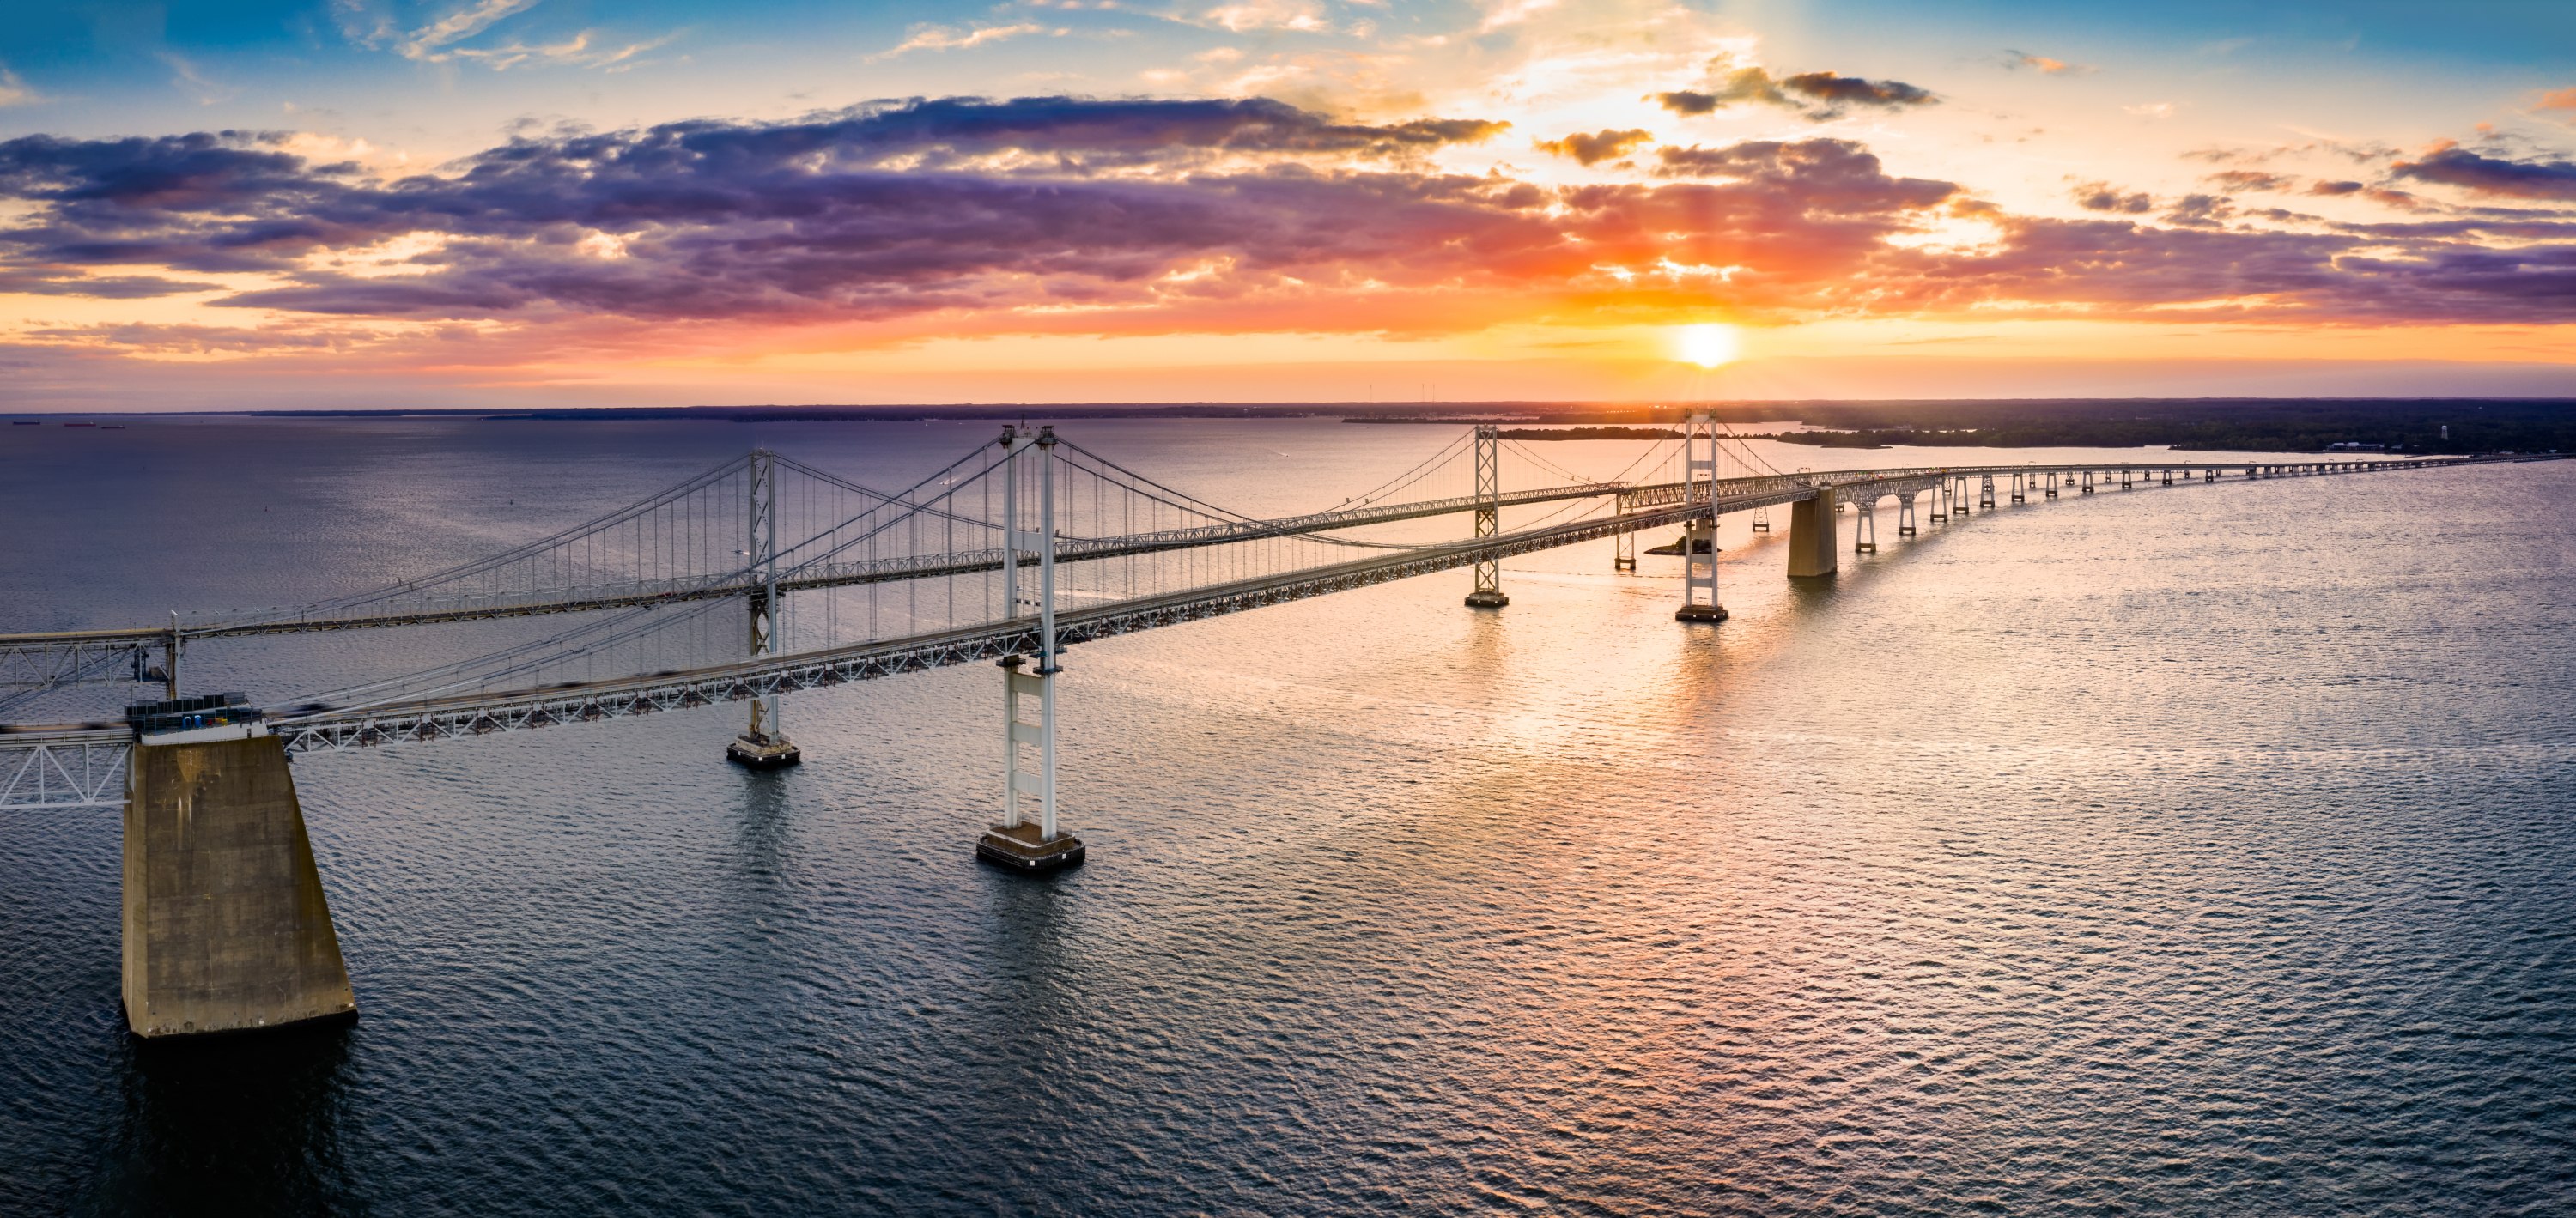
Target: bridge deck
[(484, 713), (1072, 549)]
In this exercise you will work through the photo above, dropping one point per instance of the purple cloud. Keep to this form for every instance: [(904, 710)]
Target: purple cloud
[(2102, 196), (1818, 95), (2492, 175), (1235, 214)]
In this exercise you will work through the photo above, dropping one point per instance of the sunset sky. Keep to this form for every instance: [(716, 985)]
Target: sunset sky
[(472, 203)]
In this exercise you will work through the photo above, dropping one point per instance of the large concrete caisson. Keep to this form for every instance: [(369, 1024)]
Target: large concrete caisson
[(225, 926), (1811, 535)]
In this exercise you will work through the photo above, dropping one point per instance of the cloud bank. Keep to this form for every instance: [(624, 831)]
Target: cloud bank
[(1071, 215)]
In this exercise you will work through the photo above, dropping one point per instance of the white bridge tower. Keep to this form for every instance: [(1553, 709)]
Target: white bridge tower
[(1028, 839), (1699, 537)]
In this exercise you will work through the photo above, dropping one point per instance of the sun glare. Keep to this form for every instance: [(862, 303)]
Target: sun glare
[(1705, 345)]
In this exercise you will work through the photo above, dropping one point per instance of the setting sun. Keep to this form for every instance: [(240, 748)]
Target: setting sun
[(1705, 345)]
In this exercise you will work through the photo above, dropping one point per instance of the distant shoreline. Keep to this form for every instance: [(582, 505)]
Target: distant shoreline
[(2399, 425)]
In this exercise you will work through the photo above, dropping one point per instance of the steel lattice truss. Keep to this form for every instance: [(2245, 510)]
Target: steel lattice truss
[(58, 657), (82, 771), (85, 768), (39, 660), (733, 683)]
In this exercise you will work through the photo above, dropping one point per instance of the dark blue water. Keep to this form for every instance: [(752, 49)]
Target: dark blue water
[(2195, 851)]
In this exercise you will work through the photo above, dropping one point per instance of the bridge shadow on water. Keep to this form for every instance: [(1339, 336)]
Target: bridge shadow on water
[(760, 910), (764, 834), (232, 1125)]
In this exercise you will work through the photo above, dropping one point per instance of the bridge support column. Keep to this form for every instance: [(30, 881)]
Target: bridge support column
[(764, 746), (173, 651), (2020, 488), (1941, 502), (1905, 514), (1762, 520), (226, 928), (2088, 482), (1865, 527), (1027, 840), (1699, 570), (1488, 593), (1811, 535), (2051, 492), (1986, 492)]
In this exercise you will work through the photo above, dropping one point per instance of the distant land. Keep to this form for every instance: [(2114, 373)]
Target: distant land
[(2413, 425)]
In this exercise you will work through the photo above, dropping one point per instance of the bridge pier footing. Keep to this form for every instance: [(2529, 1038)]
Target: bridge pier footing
[(226, 928), (763, 751), (1025, 848)]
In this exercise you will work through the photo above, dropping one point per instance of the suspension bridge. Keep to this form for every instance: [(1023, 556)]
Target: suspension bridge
[(766, 575)]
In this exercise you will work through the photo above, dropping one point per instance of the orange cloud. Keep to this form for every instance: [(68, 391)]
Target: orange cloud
[(1598, 146)]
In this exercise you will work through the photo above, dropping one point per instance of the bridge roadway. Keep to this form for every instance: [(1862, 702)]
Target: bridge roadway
[(822, 575), (70, 649), (1651, 506)]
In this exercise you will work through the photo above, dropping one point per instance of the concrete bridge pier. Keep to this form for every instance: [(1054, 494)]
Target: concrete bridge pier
[(1905, 514), (2020, 489), (1941, 502), (1986, 492), (1811, 535), (1865, 528), (2087, 488), (226, 928), (2051, 492)]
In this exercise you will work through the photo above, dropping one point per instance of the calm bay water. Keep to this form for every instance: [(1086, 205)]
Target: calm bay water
[(2192, 851)]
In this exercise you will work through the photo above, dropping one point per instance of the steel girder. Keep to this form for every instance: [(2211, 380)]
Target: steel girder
[(75, 770), (516, 710), (36, 661)]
